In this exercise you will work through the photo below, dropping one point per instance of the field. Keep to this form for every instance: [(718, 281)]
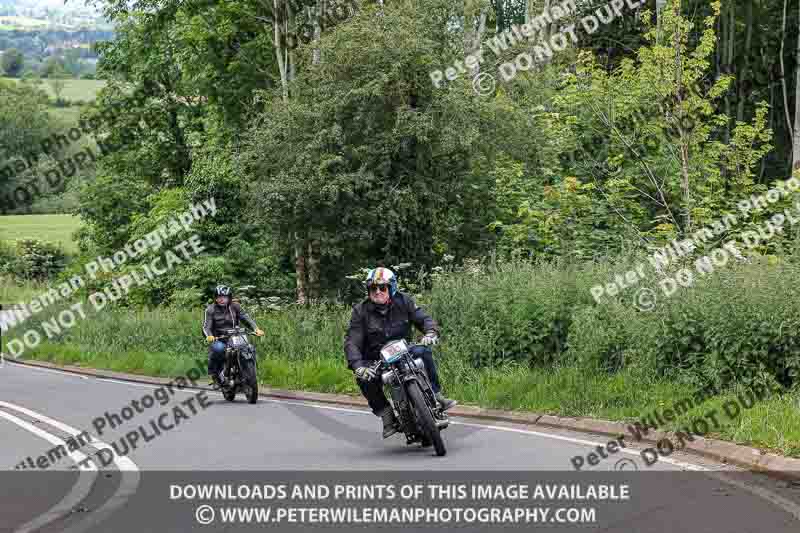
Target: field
[(74, 90), (53, 228), (21, 23)]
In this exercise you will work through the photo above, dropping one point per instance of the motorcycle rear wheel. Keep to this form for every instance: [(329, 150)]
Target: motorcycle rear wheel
[(425, 418)]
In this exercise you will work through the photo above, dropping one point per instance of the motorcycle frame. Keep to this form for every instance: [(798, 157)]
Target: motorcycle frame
[(228, 359), (399, 383)]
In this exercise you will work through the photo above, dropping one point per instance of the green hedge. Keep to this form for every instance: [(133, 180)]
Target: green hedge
[(740, 325)]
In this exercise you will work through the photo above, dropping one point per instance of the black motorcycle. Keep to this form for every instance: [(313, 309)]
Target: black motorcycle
[(240, 365), (420, 416)]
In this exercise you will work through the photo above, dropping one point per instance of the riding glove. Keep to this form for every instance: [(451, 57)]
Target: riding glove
[(429, 339), (365, 373)]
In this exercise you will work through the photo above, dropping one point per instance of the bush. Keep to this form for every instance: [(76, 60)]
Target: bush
[(737, 325), (509, 311), (32, 260)]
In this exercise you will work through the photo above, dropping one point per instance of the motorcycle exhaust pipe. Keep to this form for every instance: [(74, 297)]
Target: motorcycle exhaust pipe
[(441, 424)]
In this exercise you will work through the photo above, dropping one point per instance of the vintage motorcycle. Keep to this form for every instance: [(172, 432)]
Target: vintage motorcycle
[(240, 365), (418, 413)]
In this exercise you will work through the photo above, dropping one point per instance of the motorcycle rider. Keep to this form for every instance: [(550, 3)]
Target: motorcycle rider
[(221, 315), (384, 316)]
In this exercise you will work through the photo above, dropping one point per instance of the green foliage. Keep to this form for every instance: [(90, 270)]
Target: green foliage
[(13, 62), (31, 260), (384, 170), (643, 155)]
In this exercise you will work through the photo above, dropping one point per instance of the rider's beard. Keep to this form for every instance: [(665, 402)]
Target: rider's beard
[(379, 297)]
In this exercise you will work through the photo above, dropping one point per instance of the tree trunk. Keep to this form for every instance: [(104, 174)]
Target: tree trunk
[(321, 12), (475, 16), (279, 37), (743, 78), (300, 269), (290, 62), (728, 66), (659, 6), (684, 141), (796, 134), (783, 75), (770, 126), (313, 269), (718, 47)]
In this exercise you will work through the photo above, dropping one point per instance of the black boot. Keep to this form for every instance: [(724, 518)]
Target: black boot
[(445, 403), (389, 422)]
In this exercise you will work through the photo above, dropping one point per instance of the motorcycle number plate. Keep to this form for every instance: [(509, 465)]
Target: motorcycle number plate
[(392, 351), (238, 340)]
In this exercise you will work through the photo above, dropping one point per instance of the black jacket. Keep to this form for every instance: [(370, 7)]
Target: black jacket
[(370, 329), (218, 317)]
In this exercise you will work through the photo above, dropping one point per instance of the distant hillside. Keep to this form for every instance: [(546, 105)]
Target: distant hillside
[(50, 14), (48, 30)]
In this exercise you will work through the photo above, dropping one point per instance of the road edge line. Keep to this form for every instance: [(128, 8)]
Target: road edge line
[(773, 465)]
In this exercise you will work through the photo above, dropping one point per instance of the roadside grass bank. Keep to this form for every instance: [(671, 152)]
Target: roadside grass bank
[(522, 337)]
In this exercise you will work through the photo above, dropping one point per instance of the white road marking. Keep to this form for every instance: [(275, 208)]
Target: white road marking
[(129, 470), (86, 478), (773, 498), (123, 463), (77, 457), (310, 403)]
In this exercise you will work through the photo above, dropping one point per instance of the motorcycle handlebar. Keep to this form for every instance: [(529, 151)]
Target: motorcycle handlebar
[(234, 331)]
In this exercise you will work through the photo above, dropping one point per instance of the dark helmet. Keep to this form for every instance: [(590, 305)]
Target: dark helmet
[(223, 290)]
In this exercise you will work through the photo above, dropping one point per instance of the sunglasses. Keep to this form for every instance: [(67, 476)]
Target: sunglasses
[(375, 288)]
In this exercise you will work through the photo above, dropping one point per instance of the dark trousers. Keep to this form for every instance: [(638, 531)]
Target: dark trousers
[(373, 391), (216, 358)]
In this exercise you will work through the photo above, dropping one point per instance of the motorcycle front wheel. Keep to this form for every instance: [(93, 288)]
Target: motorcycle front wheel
[(425, 418), (250, 379), (229, 394)]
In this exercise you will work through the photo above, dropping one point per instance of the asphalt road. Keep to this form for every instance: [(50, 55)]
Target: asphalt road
[(197, 437)]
